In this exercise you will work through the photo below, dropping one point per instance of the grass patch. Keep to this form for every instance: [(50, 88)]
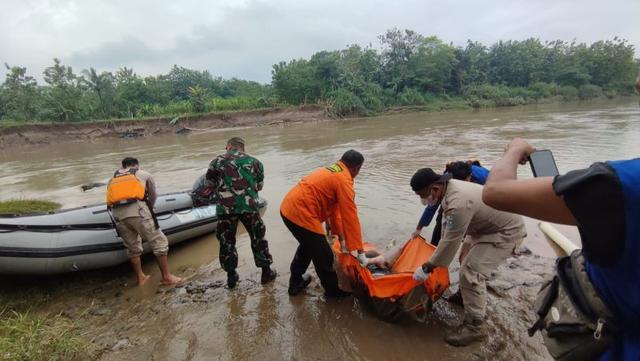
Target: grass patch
[(22, 206), (26, 337)]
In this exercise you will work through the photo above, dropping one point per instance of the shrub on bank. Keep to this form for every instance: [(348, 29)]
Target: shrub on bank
[(568, 92), (589, 91), (610, 93), (344, 102), (235, 103), (410, 96), (541, 90), (371, 95), (173, 108), (496, 95)]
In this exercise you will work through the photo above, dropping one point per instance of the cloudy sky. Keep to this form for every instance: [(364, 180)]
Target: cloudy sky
[(244, 38)]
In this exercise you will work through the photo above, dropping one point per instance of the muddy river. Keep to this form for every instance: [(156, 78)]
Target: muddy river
[(205, 321)]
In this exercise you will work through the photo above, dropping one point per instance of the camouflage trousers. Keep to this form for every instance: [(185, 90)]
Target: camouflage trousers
[(226, 233)]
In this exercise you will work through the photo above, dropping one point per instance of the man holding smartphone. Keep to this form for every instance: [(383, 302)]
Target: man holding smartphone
[(490, 236), (603, 201)]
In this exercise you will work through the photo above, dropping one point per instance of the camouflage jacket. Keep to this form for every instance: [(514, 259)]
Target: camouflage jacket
[(236, 177)]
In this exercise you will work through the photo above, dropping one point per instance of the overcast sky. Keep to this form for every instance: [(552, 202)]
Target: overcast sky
[(245, 38)]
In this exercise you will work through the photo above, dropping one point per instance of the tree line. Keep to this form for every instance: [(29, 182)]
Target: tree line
[(124, 94), (407, 69)]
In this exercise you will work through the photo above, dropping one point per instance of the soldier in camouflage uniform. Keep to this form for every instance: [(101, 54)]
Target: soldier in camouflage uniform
[(236, 178)]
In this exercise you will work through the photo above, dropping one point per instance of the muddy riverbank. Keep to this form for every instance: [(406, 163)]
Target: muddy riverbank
[(51, 133), (205, 321), (44, 134)]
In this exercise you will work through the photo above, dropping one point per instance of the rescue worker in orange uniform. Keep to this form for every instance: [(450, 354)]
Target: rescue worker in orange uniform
[(326, 195), (131, 195)]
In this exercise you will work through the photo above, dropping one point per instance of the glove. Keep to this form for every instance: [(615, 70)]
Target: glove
[(416, 233), (362, 258), (420, 274)]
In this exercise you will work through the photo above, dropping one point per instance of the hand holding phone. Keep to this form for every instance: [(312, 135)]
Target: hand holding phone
[(543, 164), (520, 147)]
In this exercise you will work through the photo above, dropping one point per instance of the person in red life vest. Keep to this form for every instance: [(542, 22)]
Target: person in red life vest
[(131, 195)]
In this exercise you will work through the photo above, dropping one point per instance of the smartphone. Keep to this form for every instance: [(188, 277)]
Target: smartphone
[(543, 164)]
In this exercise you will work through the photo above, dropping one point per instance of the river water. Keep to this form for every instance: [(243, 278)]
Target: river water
[(256, 323)]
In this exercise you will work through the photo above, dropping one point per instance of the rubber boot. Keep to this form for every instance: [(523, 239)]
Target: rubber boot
[(268, 275), (295, 288), (337, 294), (456, 299), (232, 279), (470, 331)]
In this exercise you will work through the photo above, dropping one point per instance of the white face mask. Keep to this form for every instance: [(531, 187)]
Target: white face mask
[(429, 201)]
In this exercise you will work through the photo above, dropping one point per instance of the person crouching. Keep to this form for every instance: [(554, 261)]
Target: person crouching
[(490, 236), (131, 195), (324, 196)]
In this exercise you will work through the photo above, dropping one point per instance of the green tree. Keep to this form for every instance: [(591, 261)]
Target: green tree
[(182, 78), (198, 98), (397, 48), (102, 86), (611, 63), (328, 72), (429, 67), (566, 63), (292, 82), (20, 94), (235, 87), (63, 96), (516, 63), (131, 92), (158, 89), (361, 62), (472, 66), (3, 104)]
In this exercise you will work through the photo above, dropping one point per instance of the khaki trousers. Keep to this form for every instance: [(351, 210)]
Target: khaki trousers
[(482, 258), (134, 230)]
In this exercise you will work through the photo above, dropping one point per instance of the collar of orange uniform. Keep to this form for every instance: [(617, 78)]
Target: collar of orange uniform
[(345, 168)]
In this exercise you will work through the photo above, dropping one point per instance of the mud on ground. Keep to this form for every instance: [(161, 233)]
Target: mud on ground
[(42, 134), (203, 320)]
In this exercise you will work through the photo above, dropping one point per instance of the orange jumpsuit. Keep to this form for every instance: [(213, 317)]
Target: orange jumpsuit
[(326, 194)]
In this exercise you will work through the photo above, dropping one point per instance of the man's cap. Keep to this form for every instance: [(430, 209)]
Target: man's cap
[(425, 177)]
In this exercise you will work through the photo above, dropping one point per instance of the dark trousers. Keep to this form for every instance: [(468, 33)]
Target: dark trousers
[(313, 247), (437, 229), (226, 233)]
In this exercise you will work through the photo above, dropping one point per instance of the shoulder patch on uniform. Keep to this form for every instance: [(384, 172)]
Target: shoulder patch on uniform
[(334, 168), (449, 221)]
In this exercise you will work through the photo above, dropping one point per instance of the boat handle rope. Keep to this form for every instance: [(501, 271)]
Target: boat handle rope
[(172, 213), (8, 228)]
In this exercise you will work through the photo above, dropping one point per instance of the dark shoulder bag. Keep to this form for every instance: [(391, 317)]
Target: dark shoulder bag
[(574, 321)]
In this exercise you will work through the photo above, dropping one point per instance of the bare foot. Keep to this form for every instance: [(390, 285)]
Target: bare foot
[(143, 280), (171, 280)]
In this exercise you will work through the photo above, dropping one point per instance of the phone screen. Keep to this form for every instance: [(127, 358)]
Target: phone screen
[(543, 164)]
